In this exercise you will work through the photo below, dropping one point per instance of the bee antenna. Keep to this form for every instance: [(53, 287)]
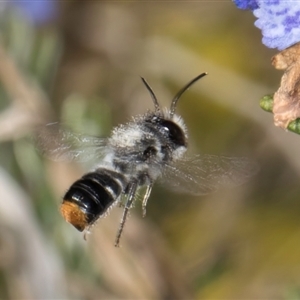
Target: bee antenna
[(154, 99), (178, 95)]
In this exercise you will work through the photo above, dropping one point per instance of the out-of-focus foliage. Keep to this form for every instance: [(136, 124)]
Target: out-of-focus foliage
[(82, 67)]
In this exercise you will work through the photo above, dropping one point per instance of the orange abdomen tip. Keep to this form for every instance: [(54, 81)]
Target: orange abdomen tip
[(74, 215)]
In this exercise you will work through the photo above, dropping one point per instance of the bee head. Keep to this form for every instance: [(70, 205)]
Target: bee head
[(173, 129), (172, 126)]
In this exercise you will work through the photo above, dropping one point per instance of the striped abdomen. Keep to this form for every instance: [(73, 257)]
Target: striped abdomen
[(89, 197)]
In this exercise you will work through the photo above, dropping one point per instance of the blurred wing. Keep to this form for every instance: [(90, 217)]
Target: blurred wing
[(206, 173), (62, 144)]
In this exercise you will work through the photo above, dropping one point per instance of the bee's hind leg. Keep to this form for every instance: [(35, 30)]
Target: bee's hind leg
[(131, 195)]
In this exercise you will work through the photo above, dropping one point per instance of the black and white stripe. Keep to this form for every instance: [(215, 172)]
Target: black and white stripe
[(95, 192)]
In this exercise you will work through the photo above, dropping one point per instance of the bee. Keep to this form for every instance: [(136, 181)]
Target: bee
[(151, 146)]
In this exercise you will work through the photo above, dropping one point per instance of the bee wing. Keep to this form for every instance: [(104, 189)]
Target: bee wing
[(62, 144), (204, 174)]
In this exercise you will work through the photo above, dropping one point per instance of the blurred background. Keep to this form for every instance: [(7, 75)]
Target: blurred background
[(79, 63)]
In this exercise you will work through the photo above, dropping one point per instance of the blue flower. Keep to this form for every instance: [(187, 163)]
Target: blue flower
[(246, 4), (279, 21)]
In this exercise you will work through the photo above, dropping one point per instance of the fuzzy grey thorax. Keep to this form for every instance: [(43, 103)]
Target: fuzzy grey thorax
[(142, 146), (150, 130)]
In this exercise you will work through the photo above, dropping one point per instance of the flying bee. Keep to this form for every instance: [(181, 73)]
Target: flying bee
[(151, 146)]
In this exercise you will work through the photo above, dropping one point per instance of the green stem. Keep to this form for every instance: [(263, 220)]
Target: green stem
[(266, 103)]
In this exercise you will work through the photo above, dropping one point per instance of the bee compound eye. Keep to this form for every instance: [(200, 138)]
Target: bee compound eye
[(174, 132)]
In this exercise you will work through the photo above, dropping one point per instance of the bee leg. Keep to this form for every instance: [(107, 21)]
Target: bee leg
[(131, 194), (145, 199), (121, 199)]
